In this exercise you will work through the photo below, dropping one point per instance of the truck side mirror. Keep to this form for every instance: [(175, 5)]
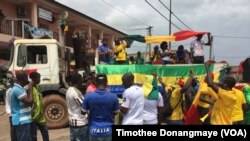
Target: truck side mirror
[(22, 53), (67, 55)]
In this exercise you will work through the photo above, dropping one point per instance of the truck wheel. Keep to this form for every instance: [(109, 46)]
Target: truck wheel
[(55, 110)]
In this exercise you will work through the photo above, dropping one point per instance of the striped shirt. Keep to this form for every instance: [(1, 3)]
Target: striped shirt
[(21, 113)]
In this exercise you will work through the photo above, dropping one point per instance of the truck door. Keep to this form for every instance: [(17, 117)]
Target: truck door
[(32, 58)]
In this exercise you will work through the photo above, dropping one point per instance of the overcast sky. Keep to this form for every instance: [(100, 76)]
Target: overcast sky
[(220, 17)]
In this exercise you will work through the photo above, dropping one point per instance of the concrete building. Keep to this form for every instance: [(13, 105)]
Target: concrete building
[(47, 14)]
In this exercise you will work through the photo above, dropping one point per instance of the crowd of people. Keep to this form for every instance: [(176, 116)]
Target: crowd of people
[(118, 55), (92, 111)]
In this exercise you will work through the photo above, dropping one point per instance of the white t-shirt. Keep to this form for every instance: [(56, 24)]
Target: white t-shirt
[(197, 47), (74, 101), (150, 110), (8, 101), (133, 99)]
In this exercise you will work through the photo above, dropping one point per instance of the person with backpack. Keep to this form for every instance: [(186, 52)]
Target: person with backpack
[(173, 102)]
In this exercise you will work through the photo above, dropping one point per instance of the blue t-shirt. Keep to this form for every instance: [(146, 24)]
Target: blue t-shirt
[(101, 105), (180, 54), (104, 58), (21, 113)]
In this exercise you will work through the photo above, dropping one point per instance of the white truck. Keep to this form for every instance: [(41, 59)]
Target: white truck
[(51, 60), (48, 58)]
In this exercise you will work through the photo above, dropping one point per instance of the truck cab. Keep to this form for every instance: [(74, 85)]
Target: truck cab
[(46, 57)]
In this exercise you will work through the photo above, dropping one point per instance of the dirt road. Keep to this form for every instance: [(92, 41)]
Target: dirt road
[(55, 135)]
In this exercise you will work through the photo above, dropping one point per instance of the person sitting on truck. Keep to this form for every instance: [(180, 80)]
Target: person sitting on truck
[(165, 54), (78, 122), (120, 51), (181, 54), (38, 117), (21, 101), (196, 48), (155, 56), (104, 52), (139, 59)]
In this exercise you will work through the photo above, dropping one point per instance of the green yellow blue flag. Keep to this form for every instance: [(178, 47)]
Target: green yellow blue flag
[(169, 73)]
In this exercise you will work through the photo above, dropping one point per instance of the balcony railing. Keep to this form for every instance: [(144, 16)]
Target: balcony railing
[(14, 27)]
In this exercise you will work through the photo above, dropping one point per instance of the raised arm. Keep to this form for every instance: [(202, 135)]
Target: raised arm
[(163, 85), (28, 100), (209, 39), (209, 79), (188, 82)]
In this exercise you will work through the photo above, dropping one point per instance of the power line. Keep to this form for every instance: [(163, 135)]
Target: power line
[(231, 57), (174, 15), (237, 37), (162, 14), (123, 13)]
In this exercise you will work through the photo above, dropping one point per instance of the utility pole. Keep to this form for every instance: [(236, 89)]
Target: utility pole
[(211, 48), (170, 16), (150, 34), (148, 45)]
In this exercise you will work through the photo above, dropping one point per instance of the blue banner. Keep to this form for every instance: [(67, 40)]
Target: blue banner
[(38, 33)]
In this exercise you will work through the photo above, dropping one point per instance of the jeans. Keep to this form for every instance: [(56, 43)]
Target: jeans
[(105, 138), (22, 132), (43, 129), (79, 133), (12, 131)]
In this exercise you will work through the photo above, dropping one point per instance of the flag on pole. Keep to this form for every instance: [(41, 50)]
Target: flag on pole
[(178, 36)]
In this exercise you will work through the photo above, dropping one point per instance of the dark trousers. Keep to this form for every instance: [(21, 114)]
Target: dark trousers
[(12, 130), (198, 59), (22, 132), (43, 129), (121, 62)]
